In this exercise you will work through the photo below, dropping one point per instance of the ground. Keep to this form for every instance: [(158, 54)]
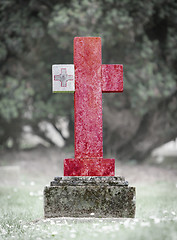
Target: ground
[(24, 174)]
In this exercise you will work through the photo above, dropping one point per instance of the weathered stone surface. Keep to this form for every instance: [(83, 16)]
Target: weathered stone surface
[(91, 197), (84, 181)]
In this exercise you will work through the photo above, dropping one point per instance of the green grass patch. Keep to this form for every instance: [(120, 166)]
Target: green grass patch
[(21, 216)]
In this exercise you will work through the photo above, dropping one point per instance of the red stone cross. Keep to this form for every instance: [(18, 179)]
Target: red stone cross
[(91, 79)]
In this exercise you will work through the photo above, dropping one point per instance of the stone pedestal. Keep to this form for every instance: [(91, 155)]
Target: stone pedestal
[(89, 197)]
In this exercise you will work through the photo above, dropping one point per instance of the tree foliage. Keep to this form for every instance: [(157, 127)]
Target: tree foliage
[(139, 34)]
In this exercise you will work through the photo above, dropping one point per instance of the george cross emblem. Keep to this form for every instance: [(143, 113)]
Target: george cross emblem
[(63, 78)]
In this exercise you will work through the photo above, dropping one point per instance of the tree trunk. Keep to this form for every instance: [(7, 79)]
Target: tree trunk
[(156, 127)]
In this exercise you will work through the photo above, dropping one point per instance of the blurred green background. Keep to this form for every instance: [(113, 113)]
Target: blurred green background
[(141, 35)]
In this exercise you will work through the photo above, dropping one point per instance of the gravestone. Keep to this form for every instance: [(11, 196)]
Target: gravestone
[(89, 186)]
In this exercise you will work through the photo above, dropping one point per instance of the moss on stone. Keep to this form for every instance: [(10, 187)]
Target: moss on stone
[(80, 201)]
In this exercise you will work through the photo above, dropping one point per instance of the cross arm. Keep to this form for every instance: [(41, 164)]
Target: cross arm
[(112, 77)]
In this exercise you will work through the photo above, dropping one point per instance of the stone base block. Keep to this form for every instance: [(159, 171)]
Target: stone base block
[(89, 197)]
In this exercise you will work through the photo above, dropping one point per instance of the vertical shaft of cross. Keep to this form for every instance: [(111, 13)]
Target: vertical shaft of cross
[(88, 98), (91, 79)]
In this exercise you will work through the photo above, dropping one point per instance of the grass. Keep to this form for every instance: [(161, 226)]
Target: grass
[(21, 206), (21, 216)]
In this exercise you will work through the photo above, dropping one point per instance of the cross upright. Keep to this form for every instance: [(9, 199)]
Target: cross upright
[(92, 78)]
